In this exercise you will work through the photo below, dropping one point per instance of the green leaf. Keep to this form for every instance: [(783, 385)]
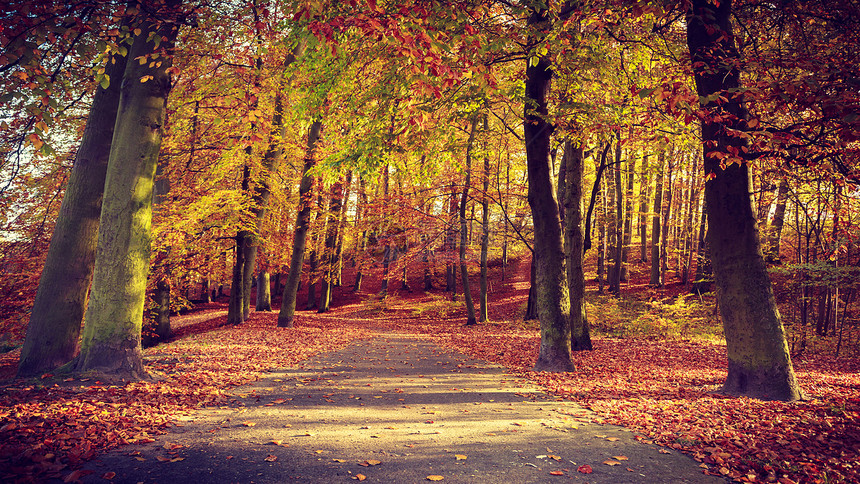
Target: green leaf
[(105, 81)]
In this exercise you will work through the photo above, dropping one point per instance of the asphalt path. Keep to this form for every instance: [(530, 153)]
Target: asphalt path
[(395, 408)]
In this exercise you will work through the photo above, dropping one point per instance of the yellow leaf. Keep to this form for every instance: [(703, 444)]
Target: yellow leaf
[(612, 439), (177, 459), (611, 462), (360, 477), (249, 424), (619, 457), (434, 477), (460, 456)]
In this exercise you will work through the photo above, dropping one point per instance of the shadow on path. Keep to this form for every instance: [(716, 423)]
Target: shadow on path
[(394, 409)]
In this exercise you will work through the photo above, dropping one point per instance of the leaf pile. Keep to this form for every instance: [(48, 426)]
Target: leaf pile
[(45, 430), (663, 390)]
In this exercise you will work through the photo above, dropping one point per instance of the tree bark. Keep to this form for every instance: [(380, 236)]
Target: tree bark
[(775, 228), (628, 218), (464, 271), (329, 257), (643, 210), (759, 364), (580, 337), (288, 301), (111, 334), (485, 232), (656, 273), (553, 303), (61, 298), (264, 292)]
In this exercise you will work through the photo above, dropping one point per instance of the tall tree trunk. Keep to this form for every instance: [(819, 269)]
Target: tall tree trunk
[(601, 235), (667, 220), (643, 210), (553, 303), (580, 337), (485, 228), (58, 311), (531, 303), (361, 245), (618, 223), (628, 218), (464, 271), (759, 364), (329, 257), (450, 246), (386, 254), (704, 273), (656, 273), (303, 218), (775, 228), (111, 334), (313, 257), (688, 225), (337, 278)]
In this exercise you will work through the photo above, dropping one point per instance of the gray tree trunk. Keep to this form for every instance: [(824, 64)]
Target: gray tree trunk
[(58, 311), (111, 334), (580, 337), (288, 301), (759, 364)]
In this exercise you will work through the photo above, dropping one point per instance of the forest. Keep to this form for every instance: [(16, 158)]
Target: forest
[(571, 189)]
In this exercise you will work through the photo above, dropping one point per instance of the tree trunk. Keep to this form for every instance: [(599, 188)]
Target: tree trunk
[(759, 363), (643, 210), (618, 223), (58, 311), (553, 303), (450, 246), (111, 334), (531, 304), (264, 292), (775, 228), (329, 257), (161, 330), (667, 218), (303, 217), (580, 337), (337, 277), (464, 271), (386, 254), (361, 246), (485, 229), (628, 218), (656, 273)]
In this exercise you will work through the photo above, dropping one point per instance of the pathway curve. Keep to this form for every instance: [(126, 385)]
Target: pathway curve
[(396, 409)]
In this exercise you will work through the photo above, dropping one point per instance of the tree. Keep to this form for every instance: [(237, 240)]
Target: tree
[(464, 270), (759, 363), (58, 311), (303, 216), (573, 245), (552, 298), (112, 328)]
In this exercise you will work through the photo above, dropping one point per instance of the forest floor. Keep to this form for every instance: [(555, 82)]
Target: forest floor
[(258, 403)]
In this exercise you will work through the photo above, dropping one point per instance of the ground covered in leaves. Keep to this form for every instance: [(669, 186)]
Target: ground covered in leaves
[(662, 388)]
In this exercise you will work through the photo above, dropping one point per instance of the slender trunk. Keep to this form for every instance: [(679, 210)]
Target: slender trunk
[(111, 334), (656, 273), (759, 364), (553, 303), (337, 279), (386, 257), (303, 216), (643, 210), (485, 230), (580, 338), (775, 228), (361, 246), (329, 257), (531, 303), (464, 271), (628, 218), (450, 246), (58, 311), (667, 218), (688, 226)]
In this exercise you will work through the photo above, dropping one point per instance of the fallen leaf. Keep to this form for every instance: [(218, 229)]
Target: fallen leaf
[(556, 473), (663, 451), (76, 476), (161, 458), (360, 477), (271, 458), (434, 477), (369, 463), (612, 439), (339, 460), (619, 457), (610, 462), (249, 424), (585, 469), (460, 456), (109, 475), (177, 459)]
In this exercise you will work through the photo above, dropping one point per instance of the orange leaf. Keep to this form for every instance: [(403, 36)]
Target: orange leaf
[(585, 469), (249, 424), (610, 462), (109, 475), (360, 477), (556, 473), (271, 458), (619, 457)]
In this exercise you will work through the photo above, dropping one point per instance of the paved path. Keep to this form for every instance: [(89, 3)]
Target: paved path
[(394, 409)]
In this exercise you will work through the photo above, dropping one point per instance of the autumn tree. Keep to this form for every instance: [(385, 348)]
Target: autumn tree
[(759, 362)]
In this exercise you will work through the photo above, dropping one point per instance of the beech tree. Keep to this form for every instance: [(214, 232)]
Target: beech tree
[(759, 362)]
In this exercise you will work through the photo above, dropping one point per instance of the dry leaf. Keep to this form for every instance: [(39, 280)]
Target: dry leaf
[(360, 477), (460, 456), (108, 475), (612, 439), (249, 424), (271, 458), (435, 477), (619, 457), (585, 469), (556, 473), (611, 462)]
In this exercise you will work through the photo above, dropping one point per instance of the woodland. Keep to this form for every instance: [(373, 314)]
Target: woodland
[(571, 189)]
